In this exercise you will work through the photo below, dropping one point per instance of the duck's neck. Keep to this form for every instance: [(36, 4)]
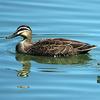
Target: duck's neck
[(27, 40), (24, 45)]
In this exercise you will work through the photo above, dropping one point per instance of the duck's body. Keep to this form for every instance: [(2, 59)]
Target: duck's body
[(48, 47)]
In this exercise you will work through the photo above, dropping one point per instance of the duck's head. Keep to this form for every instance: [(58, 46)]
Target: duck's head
[(23, 31)]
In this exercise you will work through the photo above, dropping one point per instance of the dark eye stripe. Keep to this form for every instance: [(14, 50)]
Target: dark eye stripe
[(22, 29)]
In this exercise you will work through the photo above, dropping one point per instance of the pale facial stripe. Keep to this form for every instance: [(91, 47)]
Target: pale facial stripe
[(20, 31)]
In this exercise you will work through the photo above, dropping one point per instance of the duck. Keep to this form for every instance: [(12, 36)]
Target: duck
[(55, 47)]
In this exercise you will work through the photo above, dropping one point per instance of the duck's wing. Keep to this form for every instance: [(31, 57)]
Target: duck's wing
[(60, 46), (80, 46)]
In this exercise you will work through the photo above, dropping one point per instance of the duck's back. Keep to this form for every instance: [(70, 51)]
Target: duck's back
[(59, 47)]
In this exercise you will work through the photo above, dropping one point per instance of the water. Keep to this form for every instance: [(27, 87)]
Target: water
[(47, 78)]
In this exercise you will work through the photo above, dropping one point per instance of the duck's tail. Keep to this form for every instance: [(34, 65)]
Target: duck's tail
[(86, 48)]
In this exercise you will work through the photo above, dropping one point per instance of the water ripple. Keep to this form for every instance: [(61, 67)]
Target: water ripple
[(28, 78)]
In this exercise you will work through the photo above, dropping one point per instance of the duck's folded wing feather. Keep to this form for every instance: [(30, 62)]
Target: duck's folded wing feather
[(61, 41), (60, 46), (54, 50)]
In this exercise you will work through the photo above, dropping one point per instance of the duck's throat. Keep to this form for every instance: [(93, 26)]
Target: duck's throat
[(24, 46)]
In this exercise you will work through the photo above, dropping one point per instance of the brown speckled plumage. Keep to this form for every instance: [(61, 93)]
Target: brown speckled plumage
[(48, 47)]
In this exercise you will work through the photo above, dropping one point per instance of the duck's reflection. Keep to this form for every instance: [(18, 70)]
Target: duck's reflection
[(76, 59), (26, 64)]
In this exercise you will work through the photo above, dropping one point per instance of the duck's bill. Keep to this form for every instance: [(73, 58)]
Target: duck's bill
[(12, 36)]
